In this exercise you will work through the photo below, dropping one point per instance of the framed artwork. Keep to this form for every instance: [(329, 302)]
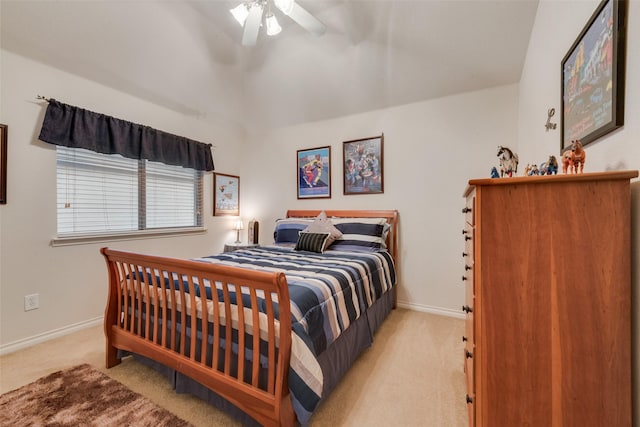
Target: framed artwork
[(314, 173), (3, 164), (363, 165), (593, 77), (226, 194)]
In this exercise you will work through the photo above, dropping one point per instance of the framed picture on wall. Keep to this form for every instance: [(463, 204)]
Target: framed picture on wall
[(363, 161), (226, 194), (593, 77), (3, 164), (314, 173)]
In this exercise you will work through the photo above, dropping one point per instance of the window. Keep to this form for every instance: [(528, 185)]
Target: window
[(100, 193)]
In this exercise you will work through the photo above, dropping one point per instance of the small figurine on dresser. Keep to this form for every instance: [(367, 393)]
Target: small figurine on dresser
[(550, 167), (574, 158), (508, 161), (531, 170), (494, 173)]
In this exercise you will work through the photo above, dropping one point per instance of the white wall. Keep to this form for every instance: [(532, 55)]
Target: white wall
[(71, 280), (557, 25), (431, 149)]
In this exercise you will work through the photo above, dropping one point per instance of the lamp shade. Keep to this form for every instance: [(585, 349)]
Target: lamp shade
[(273, 27), (237, 226)]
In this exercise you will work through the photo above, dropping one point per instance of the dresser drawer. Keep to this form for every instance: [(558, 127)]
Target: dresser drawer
[(468, 331), (471, 409), (471, 412), (468, 267), (469, 210), (469, 371), (468, 236), (467, 253), (470, 290)]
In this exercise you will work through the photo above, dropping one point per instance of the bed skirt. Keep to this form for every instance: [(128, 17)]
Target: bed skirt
[(335, 361)]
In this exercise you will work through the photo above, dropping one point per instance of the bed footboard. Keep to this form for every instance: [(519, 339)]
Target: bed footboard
[(225, 327)]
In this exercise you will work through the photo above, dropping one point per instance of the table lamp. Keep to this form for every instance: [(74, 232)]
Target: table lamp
[(238, 226)]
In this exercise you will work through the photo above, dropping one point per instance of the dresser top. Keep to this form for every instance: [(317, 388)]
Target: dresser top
[(591, 176)]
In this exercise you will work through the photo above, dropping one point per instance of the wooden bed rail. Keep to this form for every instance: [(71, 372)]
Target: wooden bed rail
[(158, 307)]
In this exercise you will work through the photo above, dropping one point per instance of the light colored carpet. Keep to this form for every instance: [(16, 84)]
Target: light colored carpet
[(411, 376)]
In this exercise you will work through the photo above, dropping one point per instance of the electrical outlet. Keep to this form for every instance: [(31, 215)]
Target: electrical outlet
[(31, 302)]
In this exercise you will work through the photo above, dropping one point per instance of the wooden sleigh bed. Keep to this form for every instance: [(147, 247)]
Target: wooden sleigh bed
[(204, 318)]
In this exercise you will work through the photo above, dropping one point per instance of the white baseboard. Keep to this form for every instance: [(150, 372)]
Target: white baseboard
[(46, 336), (431, 309)]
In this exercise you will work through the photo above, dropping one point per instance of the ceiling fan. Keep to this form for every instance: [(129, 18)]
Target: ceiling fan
[(249, 14)]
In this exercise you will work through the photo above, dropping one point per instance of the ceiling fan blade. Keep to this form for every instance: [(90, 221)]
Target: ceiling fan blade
[(252, 26), (307, 20)]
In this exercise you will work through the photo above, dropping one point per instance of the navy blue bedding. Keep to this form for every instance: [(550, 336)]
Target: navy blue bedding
[(328, 293)]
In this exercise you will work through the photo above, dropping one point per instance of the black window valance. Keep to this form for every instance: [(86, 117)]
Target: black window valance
[(79, 128)]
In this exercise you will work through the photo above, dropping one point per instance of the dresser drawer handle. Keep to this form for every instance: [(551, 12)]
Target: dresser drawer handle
[(467, 309), (468, 354), (469, 399), (466, 210)]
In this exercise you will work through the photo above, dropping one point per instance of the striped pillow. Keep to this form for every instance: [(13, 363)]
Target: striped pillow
[(322, 224), (361, 234), (287, 229), (312, 242)]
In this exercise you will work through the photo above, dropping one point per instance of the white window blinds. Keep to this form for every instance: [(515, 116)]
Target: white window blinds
[(173, 196), (99, 193)]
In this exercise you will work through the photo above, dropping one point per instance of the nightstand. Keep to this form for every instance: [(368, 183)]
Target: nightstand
[(230, 247)]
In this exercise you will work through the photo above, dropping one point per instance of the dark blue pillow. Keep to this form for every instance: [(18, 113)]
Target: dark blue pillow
[(287, 230), (312, 242)]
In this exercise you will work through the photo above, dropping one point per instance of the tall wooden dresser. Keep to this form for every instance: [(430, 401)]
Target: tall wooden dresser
[(548, 289)]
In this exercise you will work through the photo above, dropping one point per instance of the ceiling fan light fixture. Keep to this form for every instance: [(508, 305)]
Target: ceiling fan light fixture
[(273, 28), (240, 13), (251, 15), (286, 6)]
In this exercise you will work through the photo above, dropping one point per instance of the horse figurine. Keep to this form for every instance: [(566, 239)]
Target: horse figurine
[(574, 158), (550, 167), (508, 161), (531, 170)]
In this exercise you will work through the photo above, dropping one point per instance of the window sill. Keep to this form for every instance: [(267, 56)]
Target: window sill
[(129, 235)]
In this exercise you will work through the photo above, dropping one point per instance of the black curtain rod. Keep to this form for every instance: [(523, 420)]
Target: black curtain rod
[(43, 98)]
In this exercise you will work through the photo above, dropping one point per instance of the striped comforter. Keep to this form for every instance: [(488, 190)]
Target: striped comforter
[(328, 292)]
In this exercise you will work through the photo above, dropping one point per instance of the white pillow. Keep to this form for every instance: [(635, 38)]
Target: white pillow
[(322, 224)]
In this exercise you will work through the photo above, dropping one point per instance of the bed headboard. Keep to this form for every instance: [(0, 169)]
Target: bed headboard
[(390, 215)]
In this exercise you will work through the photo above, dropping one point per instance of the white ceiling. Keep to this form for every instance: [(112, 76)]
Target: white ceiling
[(186, 55)]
